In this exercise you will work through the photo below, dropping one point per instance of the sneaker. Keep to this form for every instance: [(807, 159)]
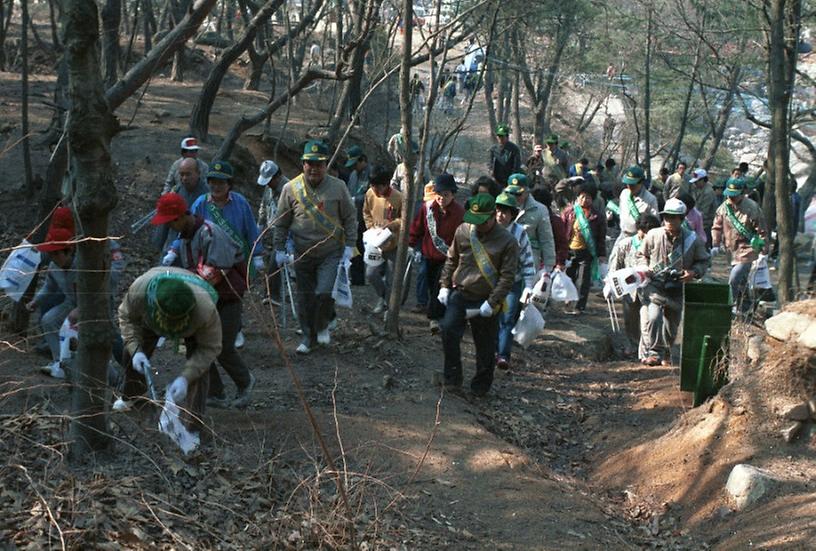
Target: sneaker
[(122, 405), (160, 342), (242, 398), (303, 348), (324, 337), (54, 369), (502, 363), (433, 325), (240, 340), (379, 308), (219, 402)]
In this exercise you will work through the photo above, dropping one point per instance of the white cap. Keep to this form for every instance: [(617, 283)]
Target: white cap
[(268, 171), (190, 144), (674, 206), (698, 174)]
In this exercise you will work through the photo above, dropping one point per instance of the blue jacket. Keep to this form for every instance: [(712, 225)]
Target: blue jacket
[(239, 215)]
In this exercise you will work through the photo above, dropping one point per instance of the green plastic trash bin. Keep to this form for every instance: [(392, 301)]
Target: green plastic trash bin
[(706, 324)]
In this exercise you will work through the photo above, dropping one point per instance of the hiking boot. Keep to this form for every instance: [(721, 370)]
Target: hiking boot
[(379, 308), (242, 398), (54, 369), (219, 402), (240, 340), (433, 325), (324, 337), (479, 392), (502, 363)]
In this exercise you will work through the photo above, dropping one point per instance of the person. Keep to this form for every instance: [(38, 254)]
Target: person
[(534, 166), (506, 213), (635, 199), (57, 297), (581, 168), (505, 157), (739, 227), (189, 150), (718, 188), (231, 212), (485, 184), (192, 185), (205, 249), (170, 301), (535, 218), (360, 173), (382, 208), (417, 92), (705, 200), (432, 233), (674, 256), (676, 183), (694, 219), (554, 156), (658, 186), (634, 312), (479, 271), (318, 212), (272, 180), (586, 234), (543, 196)]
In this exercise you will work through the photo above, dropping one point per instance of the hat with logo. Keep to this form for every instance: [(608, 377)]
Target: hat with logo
[(698, 174), (190, 144), (513, 189), (57, 239), (633, 176), (269, 169), (444, 182), (479, 208), (519, 179), (220, 170), (170, 303), (168, 208), (734, 187), (353, 153), (552, 139), (507, 200), (674, 207), (502, 130), (315, 150)]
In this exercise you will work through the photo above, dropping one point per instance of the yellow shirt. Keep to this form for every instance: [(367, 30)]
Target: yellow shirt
[(577, 242)]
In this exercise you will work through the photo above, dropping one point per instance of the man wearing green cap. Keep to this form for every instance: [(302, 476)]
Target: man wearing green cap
[(535, 219), (478, 274), (555, 156), (739, 226), (360, 174), (505, 157), (318, 211), (635, 200), (174, 303)]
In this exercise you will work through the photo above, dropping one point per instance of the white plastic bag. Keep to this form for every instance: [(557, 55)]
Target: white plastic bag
[(562, 288), (341, 293), (541, 292), (171, 425), (528, 326), (67, 332), (762, 276), (376, 236), (18, 270), (625, 281)]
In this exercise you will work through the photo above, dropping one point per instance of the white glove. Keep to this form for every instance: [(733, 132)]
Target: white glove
[(282, 258), (348, 252), (140, 362), (486, 310), (177, 390), (715, 251), (169, 258), (443, 295), (258, 263)]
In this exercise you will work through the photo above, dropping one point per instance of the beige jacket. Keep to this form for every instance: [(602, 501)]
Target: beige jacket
[(706, 202), (205, 325), (657, 246), (462, 272), (384, 212), (724, 234)]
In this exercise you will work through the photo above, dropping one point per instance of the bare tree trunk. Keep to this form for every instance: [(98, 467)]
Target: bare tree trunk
[(180, 55), (516, 111), (4, 30), (111, 19), (681, 133), (52, 19), (150, 25), (90, 129), (723, 116), (29, 181), (647, 95)]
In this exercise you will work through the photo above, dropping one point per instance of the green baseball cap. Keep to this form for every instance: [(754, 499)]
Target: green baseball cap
[(502, 130), (479, 208), (734, 187), (220, 170), (519, 179), (514, 190), (633, 176), (552, 139), (564, 145), (507, 200), (353, 153), (170, 304), (315, 150)]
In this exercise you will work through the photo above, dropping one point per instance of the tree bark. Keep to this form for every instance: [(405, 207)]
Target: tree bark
[(29, 181), (90, 128), (647, 94), (111, 19), (724, 115), (4, 30)]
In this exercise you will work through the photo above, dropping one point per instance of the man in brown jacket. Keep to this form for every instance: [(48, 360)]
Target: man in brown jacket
[(382, 208), (478, 274)]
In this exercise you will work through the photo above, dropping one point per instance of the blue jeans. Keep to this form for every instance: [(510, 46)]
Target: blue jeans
[(508, 319), (738, 280), (422, 283)]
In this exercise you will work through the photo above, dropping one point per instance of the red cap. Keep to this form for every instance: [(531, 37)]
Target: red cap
[(168, 208), (63, 218), (190, 144), (57, 239)]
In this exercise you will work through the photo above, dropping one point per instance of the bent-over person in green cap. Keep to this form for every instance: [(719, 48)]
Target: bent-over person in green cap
[(177, 304), (318, 211), (478, 274)]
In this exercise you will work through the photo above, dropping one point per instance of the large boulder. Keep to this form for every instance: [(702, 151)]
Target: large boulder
[(747, 484), (796, 326)]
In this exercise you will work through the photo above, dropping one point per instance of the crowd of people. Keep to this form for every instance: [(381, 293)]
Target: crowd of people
[(479, 253)]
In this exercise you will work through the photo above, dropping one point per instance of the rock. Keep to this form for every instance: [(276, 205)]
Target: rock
[(812, 407), (388, 381), (790, 433), (797, 412), (792, 326), (747, 484), (755, 348)]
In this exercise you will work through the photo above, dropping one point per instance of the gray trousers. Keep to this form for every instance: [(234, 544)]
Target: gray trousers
[(229, 358), (635, 316), (379, 277), (50, 323), (315, 281), (664, 311), (738, 280)]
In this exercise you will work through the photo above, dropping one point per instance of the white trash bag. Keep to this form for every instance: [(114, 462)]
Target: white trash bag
[(528, 326), (762, 276), (171, 425), (18, 270), (562, 288), (341, 293), (67, 333), (625, 281), (376, 236), (372, 256)]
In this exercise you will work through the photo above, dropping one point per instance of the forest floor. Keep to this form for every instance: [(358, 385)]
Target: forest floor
[(575, 447)]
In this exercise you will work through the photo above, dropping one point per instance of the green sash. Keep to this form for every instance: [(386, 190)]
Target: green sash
[(218, 217), (613, 208), (633, 210), (157, 320), (483, 260), (586, 233), (756, 241), (329, 224)]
